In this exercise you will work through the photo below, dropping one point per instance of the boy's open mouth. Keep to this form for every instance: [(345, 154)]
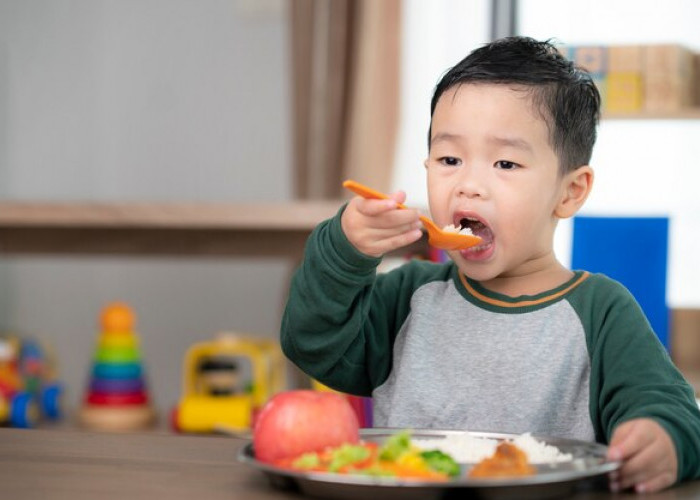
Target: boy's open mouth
[(477, 227)]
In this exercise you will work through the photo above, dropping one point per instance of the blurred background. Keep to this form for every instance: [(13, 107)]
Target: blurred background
[(233, 101)]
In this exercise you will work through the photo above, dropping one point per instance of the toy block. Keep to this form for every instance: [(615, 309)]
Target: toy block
[(626, 59), (668, 73), (625, 92), (591, 58), (625, 80)]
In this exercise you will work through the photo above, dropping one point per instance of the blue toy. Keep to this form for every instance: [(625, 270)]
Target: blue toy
[(29, 391)]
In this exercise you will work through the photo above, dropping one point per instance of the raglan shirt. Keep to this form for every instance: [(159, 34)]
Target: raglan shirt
[(435, 349)]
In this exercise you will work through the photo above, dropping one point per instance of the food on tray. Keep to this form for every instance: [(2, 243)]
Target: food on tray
[(507, 461), (303, 421), (539, 452), (318, 432), (451, 228), (469, 449), (397, 457)]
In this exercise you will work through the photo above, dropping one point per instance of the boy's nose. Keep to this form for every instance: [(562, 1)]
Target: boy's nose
[(471, 185)]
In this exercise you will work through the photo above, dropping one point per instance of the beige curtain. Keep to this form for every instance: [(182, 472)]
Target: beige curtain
[(345, 79)]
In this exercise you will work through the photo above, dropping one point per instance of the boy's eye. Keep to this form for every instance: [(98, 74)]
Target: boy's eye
[(450, 161), (506, 165)]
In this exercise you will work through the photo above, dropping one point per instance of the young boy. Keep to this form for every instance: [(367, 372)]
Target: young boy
[(503, 338)]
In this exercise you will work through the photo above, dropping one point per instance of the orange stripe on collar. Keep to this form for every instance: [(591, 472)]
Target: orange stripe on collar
[(523, 303)]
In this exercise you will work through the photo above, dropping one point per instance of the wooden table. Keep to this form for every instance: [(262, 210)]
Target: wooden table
[(58, 464)]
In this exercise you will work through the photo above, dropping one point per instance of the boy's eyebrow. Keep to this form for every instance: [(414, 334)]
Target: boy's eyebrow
[(514, 142), (444, 136)]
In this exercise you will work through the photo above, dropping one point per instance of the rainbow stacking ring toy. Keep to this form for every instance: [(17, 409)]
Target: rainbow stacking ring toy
[(117, 397)]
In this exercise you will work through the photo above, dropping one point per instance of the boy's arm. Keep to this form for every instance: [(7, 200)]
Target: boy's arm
[(632, 377), (336, 323)]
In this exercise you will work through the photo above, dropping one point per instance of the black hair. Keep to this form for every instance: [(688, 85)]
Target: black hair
[(564, 94)]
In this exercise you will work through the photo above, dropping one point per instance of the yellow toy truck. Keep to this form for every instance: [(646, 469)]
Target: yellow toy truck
[(226, 382)]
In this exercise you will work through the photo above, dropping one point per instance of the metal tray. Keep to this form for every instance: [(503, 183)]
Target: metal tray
[(587, 469)]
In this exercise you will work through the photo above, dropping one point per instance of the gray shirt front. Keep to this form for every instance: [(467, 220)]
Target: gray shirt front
[(479, 369)]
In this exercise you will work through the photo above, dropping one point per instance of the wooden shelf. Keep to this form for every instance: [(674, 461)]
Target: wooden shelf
[(683, 114), (245, 229)]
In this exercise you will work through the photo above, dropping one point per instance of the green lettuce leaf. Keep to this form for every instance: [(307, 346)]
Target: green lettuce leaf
[(347, 454), (395, 446)]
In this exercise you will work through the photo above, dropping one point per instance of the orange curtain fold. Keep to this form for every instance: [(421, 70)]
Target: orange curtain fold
[(346, 79)]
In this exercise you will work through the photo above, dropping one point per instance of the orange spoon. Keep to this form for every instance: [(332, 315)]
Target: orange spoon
[(436, 236)]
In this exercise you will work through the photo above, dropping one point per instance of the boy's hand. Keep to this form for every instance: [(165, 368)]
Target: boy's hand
[(649, 461), (376, 227)]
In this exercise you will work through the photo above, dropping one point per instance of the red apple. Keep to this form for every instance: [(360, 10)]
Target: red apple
[(302, 421)]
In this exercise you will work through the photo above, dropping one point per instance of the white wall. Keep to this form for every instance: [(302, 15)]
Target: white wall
[(436, 35), (153, 99), (642, 167), (160, 100)]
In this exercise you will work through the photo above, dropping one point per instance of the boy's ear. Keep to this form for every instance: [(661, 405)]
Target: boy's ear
[(576, 186)]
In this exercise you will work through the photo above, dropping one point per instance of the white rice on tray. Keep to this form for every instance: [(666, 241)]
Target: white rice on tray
[(465, 448)]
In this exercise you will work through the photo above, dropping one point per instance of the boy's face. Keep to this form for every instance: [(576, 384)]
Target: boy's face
[(491, 161)]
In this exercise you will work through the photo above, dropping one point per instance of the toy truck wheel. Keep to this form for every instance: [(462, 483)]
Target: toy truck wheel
[(51, 401), (24, 412)]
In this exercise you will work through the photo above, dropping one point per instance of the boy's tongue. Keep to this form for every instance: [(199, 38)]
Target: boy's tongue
[(482, 231)]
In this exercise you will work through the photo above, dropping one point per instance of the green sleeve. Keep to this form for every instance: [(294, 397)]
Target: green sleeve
[(341, 319), (632, 375)]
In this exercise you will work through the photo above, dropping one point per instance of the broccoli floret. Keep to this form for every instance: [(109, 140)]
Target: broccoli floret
[(441, 462)]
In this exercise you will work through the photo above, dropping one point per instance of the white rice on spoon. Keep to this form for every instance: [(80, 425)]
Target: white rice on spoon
[(451, 228)]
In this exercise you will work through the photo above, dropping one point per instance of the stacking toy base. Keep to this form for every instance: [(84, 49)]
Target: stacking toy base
[(117, 418)]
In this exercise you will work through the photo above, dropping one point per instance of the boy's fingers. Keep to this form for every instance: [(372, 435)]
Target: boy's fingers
[(386, 245), (653, 466), (411, 226), (640, 467), (382, 217), (383, 235), (385, 213), (373, 207), (628, 440), (621, 432), (658, 483), (398, 196), (404, 239), (398, 221)]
